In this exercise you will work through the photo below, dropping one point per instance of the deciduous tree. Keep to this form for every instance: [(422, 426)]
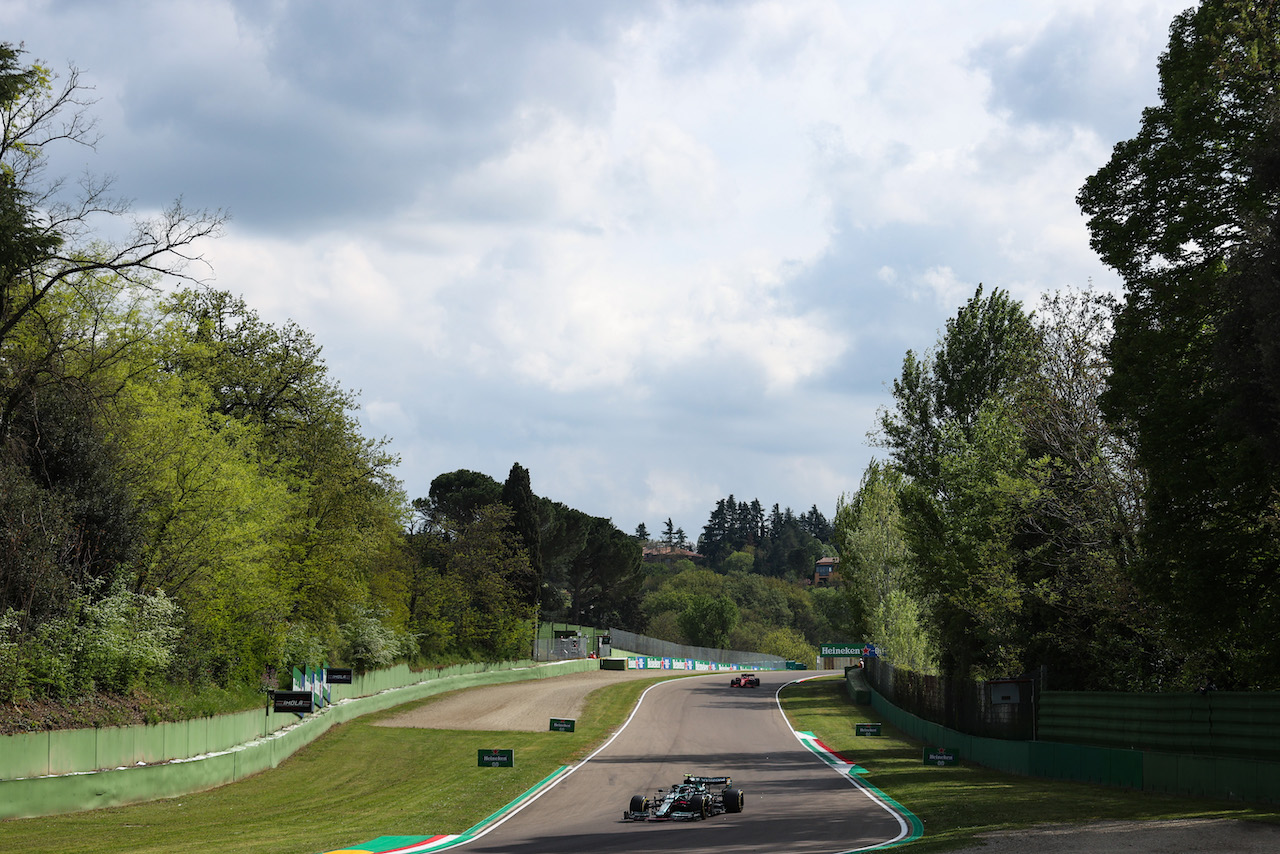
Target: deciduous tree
[(1188, 212)]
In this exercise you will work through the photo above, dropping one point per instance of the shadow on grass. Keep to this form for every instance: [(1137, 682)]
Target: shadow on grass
[(956, 803)]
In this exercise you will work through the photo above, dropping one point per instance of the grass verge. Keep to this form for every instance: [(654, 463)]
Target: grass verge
[(355, 783), (958, 802)]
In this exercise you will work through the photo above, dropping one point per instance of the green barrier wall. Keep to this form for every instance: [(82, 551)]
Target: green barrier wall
[(1227, 723), (1227, 777), (856, 682), (273, 739)]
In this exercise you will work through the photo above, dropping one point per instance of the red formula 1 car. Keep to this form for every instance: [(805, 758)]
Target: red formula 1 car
[(689, 800), (746, 680)]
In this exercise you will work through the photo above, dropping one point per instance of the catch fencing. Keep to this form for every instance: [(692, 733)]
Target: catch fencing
[(1213, 744), (960, 704), (645, 645)]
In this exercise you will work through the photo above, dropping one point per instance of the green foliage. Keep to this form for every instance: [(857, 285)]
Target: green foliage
[(739, 562), (302, 647), (470, 603), (220, 527), (987, 351), (707, 621), (367, 643), (781, 543), (766, 600), (746, 607), (115, 643), (1084, 617), (955, 437), (789, 644), (455, 498), (129, 638), (12, 676), (604, 577), (517, 493), (880, 593), (1186, 212)]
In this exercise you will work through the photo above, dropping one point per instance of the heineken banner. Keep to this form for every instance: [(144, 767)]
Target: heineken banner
[(842, 650), (939, 756), (495, 759)]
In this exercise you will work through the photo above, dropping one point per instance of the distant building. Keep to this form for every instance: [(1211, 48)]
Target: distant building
[(824, 572), (662, 553)]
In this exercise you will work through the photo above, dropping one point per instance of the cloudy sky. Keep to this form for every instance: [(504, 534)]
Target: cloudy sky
[(656, 252)]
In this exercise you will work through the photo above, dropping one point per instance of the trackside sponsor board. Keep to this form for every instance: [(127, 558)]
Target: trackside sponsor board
[(651, 663), (299, 702), (496, 758), (338, 675), (833, 650), (939, 756)]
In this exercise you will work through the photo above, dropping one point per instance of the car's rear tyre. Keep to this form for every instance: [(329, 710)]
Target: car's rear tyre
[(733, 800), (639, 803)]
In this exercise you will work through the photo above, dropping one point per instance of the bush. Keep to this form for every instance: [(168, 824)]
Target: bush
[(302, 647), (789, 644), (12, 675), (128, 638), (369, 644)]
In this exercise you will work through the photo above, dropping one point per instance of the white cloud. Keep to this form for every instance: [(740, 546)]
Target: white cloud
[(657, 252)]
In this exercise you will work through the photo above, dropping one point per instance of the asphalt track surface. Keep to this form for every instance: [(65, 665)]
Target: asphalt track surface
[(699, 725)]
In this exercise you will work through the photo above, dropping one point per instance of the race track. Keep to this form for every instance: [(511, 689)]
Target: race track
[(794, 801)]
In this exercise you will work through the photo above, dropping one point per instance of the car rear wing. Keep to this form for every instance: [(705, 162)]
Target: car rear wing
[(707, 781)]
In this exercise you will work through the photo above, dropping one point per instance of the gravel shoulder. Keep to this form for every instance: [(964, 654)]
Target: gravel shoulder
[(528, 706), (514, 706)]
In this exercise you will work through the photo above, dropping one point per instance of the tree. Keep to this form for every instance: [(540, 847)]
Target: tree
[(707, 621), (562, 535), (964, 542), (604, 577), (218, 528), (878, 567), (954, 434), (815, 524), (1188, 212), (669, 535), (67, 328), (789, 644), (47, 243), (988, 348), (1085, 619), (455, 499), (483, 569), (517, 493)]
